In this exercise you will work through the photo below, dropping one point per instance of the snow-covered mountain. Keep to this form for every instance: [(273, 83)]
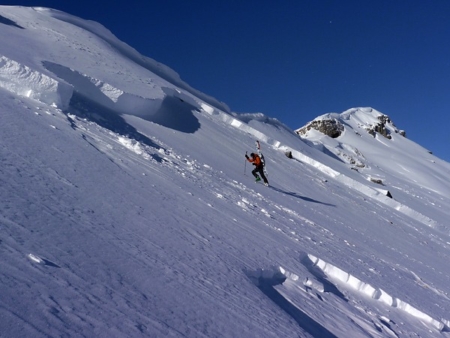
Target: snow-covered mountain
[(127, 208)]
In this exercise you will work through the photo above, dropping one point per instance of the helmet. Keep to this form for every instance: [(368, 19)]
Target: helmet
[(252, 154)]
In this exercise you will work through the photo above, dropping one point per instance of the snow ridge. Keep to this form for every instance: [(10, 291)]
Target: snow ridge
[(335, 273), (24, 81)]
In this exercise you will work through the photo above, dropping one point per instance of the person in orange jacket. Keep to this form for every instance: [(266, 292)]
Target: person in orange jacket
[(259, 167)]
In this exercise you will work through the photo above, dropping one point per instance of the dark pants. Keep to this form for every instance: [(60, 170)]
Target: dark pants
[(260, 171)]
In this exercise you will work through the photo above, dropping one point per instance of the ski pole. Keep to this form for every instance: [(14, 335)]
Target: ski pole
[(245, 165)]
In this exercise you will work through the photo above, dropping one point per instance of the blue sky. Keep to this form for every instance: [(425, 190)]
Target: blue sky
[(296, 60)]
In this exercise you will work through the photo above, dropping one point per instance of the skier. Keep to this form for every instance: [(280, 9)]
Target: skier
[(259, 167)]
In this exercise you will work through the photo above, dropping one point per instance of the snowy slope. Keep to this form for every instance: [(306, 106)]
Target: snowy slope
[(127, 208)]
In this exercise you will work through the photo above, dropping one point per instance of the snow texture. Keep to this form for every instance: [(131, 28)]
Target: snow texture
[(127, 208)]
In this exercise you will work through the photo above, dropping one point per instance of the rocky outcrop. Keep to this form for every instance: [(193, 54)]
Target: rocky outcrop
[(380, 127), (331, 127)]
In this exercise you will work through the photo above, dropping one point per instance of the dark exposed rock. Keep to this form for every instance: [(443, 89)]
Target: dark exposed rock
[(384, 119), (386, 193), (380, 127), (330, 127), (376, 180)]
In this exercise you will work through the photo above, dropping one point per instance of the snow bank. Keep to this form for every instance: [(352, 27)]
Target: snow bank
[(106, 94), (271, 276), (335, 273), (373, 193), (24, 81)]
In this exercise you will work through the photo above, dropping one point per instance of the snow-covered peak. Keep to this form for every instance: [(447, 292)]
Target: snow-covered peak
[(334, 124), (370, 143)]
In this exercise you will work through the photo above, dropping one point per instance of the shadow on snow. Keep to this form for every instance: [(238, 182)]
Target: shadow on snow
[(9, 22), (308, 324), (294, 194), (321, 277), (108, 119), (170, 111)]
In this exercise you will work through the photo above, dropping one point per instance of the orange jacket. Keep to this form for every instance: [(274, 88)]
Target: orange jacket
[(256, 160)]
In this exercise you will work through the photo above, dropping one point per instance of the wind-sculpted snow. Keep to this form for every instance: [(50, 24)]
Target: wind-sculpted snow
[(139, 86), (155, 67), (24, 81), (337, 274), (296, 297), (40, 260), (107, 95), (285, 288)]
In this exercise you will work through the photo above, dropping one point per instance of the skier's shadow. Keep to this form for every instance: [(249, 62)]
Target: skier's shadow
[(294, 194)]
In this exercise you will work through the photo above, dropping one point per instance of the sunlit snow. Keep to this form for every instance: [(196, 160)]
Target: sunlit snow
[(127, 208)]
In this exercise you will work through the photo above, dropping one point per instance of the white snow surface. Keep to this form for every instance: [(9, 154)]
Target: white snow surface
[(127, 208)]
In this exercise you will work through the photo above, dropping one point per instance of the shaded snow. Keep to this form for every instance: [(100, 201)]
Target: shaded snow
[(127, 207)]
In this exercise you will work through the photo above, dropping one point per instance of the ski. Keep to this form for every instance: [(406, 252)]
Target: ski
[(258, 149)]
